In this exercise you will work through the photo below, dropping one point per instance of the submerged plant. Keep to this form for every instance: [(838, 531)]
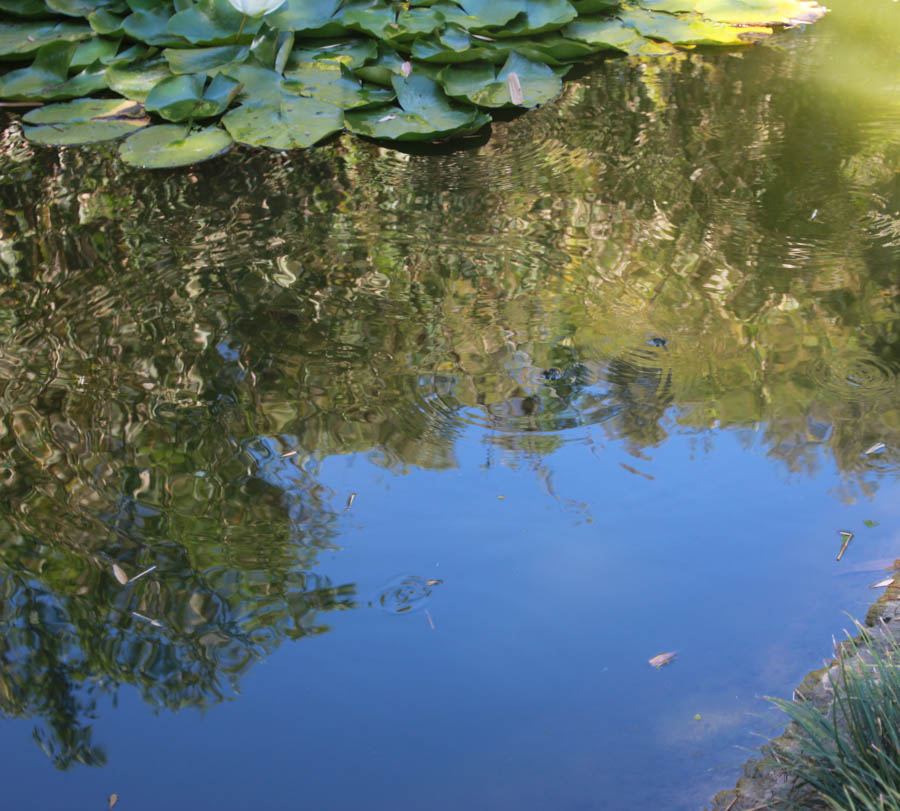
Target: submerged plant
[(850, 756), (287, 74)]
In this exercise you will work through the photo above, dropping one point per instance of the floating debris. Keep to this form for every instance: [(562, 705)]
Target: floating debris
[(847, 536), (871, 524), (138, 576), (113, 799), (119, 574), (430, 620), (289, 453), (882, 583), (516, 96), (153, 622), (655, 340), (350, 499), (637, 472), (435, 583), (663, 659), (878, 446)]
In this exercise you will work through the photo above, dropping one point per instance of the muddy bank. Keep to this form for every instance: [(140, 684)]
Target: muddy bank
[(764, 783)]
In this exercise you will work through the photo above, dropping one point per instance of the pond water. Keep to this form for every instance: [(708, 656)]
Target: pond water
[(429, 453)]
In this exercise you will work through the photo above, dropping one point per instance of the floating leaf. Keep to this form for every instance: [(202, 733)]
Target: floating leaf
[(424, 112), (212, 22), (295, 122), (170, 145), (878, 446), (204, 60), (21, 38), (870, 523), (761, 12), (119, 574), (533, 83), (882, 583), (84, 132), (136, 80), (113, 799), (663, 659), (689, 29), (334, 83), (82, 110), (307, 16)]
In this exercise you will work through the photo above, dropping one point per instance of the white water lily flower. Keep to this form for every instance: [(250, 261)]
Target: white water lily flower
[(256, 8)]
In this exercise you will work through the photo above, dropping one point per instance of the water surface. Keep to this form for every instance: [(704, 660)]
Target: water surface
[(432, 452)]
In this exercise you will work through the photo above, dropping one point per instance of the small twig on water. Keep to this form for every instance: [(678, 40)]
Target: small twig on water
[(428, 617)]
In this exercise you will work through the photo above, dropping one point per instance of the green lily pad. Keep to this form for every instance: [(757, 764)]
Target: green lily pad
[(689, 29), (452, 45), (295, 122), (373, 17), (49, 69), (312, 17), (603, 33), (212, 22), (24, 8), (169, 145), (150, 27), (20, 38), (425, 113), (354, 53), (481, 84), (84, 132), (81, 110), (204, 60), (519, 17), (137, 79), (333, 83)]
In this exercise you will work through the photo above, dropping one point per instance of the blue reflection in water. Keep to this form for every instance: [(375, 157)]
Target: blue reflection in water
[(527, 685)]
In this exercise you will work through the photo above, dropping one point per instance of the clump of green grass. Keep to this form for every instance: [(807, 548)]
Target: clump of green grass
[(850, 755)]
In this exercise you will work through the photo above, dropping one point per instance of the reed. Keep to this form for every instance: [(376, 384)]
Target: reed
[(850, 755)]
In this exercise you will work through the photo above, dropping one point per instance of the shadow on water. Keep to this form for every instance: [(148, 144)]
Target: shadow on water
[(703, 242)]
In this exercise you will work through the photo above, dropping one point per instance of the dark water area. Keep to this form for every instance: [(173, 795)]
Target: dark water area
[(421, 457)]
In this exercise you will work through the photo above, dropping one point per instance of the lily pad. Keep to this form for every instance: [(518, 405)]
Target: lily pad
[(689, 29), (81, 110), (296, 122), (204, 60), (425, 113), (21, 38), (333, 83), (482, 85), (137, 79), (84, 132), (760, 12), (170, 145), (308, 16)]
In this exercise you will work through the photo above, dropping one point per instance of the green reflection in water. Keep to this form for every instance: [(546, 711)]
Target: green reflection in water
[(710, 240)]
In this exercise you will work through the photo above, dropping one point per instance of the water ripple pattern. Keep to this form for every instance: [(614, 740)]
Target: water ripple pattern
[(405, 594)]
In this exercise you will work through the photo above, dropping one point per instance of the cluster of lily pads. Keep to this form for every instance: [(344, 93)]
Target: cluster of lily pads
[(288, 73)]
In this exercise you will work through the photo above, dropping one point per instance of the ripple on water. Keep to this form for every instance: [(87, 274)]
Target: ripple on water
[(854, 377), (406, 594)]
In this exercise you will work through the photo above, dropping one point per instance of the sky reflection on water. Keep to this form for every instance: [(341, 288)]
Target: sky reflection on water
[(611, 377)]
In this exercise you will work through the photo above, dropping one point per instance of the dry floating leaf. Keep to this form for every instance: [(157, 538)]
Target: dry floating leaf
[(435, 583), (663, 659), (119, 574), (878, 446), (882, 583), (113, 799)]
